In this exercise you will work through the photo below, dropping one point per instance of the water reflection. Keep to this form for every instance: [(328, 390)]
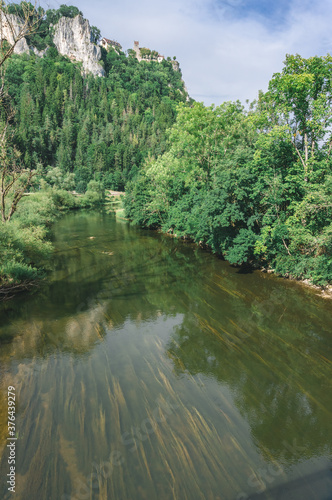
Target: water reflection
[(205, 382), (276, 361)]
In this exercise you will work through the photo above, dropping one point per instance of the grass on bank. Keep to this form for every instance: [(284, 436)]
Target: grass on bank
[(24, 239)]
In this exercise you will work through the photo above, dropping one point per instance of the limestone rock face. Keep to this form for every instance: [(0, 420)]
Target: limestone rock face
[(39, 53), (72, 38), (6, 33), (176, 65)]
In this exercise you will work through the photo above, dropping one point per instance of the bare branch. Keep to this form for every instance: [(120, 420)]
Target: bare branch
[(14, 178), (286, 247)]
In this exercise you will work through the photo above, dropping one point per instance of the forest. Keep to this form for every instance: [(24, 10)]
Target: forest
[(66, 132), (252, 183)]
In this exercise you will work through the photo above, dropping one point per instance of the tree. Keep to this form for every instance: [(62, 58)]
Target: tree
[(60, 180), (95, 34), (301, 100), (69, 11), (14, 177), (145, 53)]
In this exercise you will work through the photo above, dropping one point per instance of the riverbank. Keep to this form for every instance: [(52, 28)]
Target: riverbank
[(324, 291), (141, 345), (24, 240), (114, 204)]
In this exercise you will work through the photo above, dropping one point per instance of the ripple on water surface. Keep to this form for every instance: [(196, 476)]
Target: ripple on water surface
[(148, 369)]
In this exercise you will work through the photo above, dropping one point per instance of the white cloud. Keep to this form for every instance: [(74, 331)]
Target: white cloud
[(222, 56)]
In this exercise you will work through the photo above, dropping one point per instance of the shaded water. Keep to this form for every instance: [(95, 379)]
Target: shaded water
[(148, 369)]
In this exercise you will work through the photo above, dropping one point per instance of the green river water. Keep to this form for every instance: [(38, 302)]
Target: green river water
[(148, 369)]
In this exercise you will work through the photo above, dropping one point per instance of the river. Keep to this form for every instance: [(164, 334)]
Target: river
[(147, 369)]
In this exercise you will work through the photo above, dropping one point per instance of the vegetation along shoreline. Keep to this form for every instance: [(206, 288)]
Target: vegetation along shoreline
[(253, 183)]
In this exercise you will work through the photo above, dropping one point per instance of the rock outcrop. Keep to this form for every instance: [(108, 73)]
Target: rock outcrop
[(39, 53), (176, 65), (72, 38), (10, 30)]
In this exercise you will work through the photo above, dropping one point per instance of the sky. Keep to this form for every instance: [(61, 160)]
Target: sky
[(227, 49)]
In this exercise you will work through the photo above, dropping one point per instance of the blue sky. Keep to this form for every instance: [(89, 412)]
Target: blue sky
[(272, 12), (268, 8), (227, 49)]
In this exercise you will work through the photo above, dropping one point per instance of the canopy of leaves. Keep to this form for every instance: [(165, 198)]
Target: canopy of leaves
[(255, 186), (99, 128)]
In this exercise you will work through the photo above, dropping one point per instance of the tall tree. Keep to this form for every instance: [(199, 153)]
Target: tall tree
[(301, 100), (14, 177)]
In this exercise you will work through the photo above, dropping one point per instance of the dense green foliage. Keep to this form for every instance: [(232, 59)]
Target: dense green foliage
[(22, 241), (24, 248), (256, 186), (78, 133), (94, 127)]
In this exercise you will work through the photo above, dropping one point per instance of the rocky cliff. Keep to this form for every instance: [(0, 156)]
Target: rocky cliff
[(10, 30), (72, 38)]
